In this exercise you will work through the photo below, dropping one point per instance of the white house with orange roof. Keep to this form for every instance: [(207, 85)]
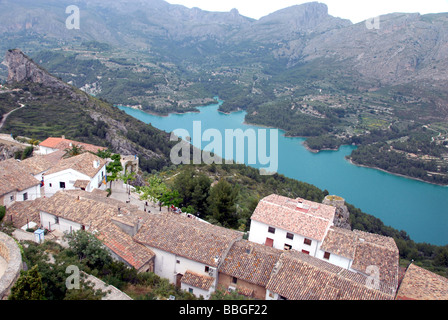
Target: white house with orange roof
[(82, 172), (284, 223), (307, 227), (51, 145)]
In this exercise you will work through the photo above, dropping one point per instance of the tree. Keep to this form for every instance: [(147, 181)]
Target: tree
[(171, 198), (105, 154), (29, 286), (89, 250), (75, 150), (2, 212), (114, 168), (126, 178), (194, 189), (154, 190), (222, 201)]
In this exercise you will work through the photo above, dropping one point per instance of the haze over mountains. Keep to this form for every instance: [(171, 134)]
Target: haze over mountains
[(406, 47)]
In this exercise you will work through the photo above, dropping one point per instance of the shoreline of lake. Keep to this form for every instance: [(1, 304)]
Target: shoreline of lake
[(377, 192)]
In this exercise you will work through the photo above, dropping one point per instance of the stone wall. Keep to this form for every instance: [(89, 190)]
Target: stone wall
[(10, 251)]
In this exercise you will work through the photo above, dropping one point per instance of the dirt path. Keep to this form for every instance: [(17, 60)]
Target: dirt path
[(5, 116)]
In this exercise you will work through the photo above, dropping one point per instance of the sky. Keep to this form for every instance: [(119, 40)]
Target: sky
[(354, 10)]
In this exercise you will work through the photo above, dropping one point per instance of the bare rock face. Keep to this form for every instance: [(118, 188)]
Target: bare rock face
[(8, 151), (22, 69), (342, 216)]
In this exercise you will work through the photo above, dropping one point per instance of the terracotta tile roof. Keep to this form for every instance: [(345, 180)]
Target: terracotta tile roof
[(379, 251), (124, 246), (81, 183), (197, 280), (15, 177), (341, 242), (98, 214), (298, 276), (307, 218), (187, 237), (421, 284), (83, 211), (82, 163), (250, 262), (62, 144), (23, 210), (37, 164), (365, 249)]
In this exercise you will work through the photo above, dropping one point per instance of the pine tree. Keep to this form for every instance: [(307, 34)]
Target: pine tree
[(28, 287)]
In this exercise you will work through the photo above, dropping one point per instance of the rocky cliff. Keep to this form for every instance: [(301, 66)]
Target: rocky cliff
[(22, 69), (55, 105)]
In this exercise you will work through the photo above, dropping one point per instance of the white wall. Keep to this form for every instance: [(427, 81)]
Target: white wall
[(335, 259), (7, 198), (33, 193), (46, 150), (196, 291), (48, 221), (259, 233), (167, 265), (69, 176), (96, 180)]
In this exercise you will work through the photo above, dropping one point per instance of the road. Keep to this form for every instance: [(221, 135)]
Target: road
[(5, 116)]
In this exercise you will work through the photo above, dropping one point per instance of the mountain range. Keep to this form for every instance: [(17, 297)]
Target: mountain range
[(406, 47), (299, 69)]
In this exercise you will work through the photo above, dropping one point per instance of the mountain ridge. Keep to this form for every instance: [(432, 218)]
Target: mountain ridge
[(48, 100)]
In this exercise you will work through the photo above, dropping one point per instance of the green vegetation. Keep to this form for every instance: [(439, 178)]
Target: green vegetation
[(46, 116), (28, 287), (224, 195)]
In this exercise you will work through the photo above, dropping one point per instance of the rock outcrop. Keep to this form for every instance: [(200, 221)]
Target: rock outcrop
[(22, 69), (342, 216)]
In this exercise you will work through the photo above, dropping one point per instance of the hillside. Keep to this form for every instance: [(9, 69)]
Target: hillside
[(54, 108)]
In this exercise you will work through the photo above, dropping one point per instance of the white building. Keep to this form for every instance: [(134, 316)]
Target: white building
[(307, 227), (85, 171), (286, 224), (188, 252), (16, 183), (51, 145), (70, 211)]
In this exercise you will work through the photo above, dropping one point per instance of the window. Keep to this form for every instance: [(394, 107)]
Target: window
[(289, 236), (177, 261), (190, 290), (234, 280), (11, 198), (288, 247), (25, 196), (269, 242), (305, 252), (307, 242), (50, 185), (62, 185), (327, 255), (207, 269), (271, 230)]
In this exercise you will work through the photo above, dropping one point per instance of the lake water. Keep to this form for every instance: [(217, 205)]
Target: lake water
[(419, 208)]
